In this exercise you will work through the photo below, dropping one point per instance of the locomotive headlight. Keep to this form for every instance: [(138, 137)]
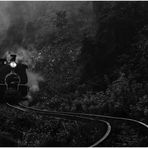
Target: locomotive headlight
[(13, 64)]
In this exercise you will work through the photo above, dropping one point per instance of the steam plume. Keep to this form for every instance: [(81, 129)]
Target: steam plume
[(33, 80)]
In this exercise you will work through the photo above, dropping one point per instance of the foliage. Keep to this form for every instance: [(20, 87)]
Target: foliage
[(93, 56), (36, 130)]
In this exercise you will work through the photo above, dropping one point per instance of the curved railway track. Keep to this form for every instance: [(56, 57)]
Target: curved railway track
[(85, 117), (70, 117)]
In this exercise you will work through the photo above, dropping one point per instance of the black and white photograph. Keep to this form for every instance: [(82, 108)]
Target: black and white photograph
[(73, 73)]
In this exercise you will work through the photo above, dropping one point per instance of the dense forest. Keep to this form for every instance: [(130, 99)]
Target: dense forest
[(92, 56)]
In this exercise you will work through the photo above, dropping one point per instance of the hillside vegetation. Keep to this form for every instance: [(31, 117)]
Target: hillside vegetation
[(93, 55)]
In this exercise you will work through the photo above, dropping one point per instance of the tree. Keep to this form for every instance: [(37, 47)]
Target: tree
[(118, 26)]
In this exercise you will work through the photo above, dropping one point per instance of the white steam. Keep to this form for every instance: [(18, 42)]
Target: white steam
[(33, 80)]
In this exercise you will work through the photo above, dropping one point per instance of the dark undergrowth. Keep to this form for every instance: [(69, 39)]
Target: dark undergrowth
[(30, 129)]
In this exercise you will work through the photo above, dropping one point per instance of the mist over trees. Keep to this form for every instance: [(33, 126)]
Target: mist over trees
[(92, 55), (53, 29), (78, 43)]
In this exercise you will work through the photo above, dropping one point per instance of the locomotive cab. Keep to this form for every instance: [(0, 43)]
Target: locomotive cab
[(13, 80)]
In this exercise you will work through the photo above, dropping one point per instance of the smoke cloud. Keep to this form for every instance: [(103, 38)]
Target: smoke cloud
[(33, 80), (16, 16), (12, 11)]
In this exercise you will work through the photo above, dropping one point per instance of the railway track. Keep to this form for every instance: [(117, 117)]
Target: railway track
[(70, 117), (84, 117)]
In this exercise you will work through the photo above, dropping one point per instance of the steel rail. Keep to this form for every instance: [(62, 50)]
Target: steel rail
[(68, 116), (104, 117), (111, 117), (105, 135), (91, 115)]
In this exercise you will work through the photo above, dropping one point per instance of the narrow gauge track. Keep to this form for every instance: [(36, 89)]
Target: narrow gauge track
[(69, 116), (103, 117), (82, 116)]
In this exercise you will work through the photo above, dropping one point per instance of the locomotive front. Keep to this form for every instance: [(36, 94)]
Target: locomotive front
[(13, 81)]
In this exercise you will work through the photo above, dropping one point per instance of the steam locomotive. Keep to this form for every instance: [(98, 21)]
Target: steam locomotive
[(13, 81)]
